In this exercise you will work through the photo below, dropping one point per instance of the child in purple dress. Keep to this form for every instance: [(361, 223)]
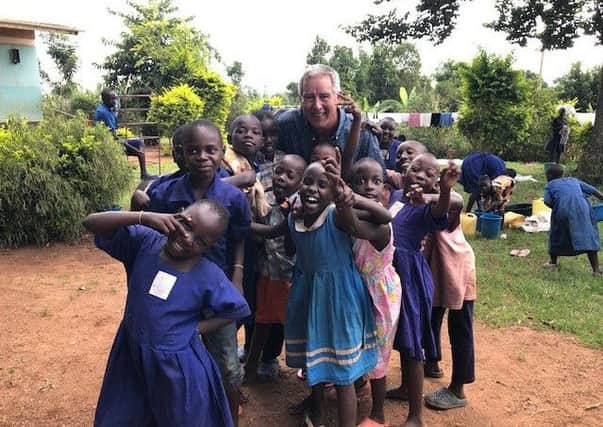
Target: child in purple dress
[(413, 221), (159, 372)]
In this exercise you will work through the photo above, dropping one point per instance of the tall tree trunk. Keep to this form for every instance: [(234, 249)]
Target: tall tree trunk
[(590, 167)]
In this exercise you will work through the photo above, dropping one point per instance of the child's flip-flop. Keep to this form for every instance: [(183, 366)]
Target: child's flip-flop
[(444, 399)]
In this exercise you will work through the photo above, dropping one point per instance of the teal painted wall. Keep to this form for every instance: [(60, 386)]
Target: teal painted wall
[(20, 91)]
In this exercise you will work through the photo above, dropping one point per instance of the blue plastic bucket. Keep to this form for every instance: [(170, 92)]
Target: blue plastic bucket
[(478, 214), (598, 208), (490, 225)]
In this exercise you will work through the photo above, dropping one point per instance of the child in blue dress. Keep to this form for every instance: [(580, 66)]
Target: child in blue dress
[(413, 220), (203, 150), (330, 328), (573, 226), (159, 372)]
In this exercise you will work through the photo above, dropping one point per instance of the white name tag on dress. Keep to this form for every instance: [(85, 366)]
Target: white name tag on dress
[(162, 285)]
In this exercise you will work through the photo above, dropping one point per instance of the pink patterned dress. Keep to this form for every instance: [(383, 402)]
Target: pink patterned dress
[(385, 290)]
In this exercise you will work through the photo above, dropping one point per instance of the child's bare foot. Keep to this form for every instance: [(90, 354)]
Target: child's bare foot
[(598, 273), (413, 422), (550, 267), (399, 393)]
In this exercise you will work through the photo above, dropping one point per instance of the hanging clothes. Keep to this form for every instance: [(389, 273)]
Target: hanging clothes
[(435, 119), (425, 120), (446, 120), (414, 120)]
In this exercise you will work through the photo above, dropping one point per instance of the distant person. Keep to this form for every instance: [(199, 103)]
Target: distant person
[(388, 143), (574, 229), (106, 113), (321, 118), (476, 165), (559, 136), (495, 194)]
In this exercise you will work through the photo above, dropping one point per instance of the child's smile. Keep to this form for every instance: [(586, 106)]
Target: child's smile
[(315, 190)]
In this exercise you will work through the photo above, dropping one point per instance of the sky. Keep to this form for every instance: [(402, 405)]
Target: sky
[(271, 38)]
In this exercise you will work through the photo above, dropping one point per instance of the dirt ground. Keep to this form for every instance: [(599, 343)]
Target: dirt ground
[(60, 307)]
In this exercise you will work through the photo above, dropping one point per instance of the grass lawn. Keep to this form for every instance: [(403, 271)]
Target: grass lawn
[(517, 291), (514, 291)]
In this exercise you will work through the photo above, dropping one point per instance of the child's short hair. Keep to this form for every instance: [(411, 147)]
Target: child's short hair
[(187, 133), (235, 121), (218, 209), (511, 172), (365, 161), (262, 115), (554, 172), (177, 136)]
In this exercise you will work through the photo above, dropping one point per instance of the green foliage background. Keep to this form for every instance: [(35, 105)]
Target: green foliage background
[(175, 107)]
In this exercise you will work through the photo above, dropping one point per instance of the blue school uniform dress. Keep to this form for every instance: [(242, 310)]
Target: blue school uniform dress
[(330, 327), (389, 155), (175, 195), (159, 373), (476, 165), (574, 228), (411, 224)]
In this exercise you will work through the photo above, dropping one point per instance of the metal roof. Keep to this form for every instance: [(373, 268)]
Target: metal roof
[(37, 26)]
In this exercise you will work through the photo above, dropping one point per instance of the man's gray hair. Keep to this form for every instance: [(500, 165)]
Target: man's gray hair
[(319, 70)]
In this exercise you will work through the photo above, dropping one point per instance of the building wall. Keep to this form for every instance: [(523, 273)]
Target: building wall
[(20, 91)]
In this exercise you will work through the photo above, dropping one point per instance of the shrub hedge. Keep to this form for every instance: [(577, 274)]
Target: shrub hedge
[(53, 174)]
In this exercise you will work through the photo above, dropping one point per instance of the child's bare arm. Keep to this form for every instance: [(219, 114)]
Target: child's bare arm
[(105, 224), (352, 143), (448, 178), (211, 325), (237, 271), (268, 231), (371, 211), (242, 180)]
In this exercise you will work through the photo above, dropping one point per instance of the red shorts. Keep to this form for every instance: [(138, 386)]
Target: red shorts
[(272, 296)]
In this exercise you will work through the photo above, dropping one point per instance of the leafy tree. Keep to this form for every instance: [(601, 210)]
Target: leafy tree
[(157, 49), (448, 85), (319, 52), (236, 73), (346, 64), (292, 95), (580, 85), (62, 50), (392, 67), (174, 107), (562, 22), (494, 111)]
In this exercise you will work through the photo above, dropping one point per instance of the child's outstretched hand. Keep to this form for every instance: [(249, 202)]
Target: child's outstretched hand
[(165, 223), (349, 105), (415, 195), (449, 176)]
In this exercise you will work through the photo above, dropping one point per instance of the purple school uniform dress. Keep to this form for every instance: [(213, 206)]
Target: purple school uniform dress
[(159, 372), (175, 195), (411, 224)]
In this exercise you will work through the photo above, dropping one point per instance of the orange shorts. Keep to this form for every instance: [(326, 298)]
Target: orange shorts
[(272, 296)]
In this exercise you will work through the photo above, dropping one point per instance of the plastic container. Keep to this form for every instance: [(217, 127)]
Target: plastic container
[(478, 214), (469, 224), (491, 225), (524, 209), (513, 219), (539, 206), (598, 208)]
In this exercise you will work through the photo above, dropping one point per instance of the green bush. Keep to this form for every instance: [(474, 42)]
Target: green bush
[(176, 106), (215, 93), (440, 141), (84, 101), (52, 175)]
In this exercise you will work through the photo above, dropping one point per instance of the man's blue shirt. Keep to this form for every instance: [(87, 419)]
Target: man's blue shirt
[(296, 136), (105, 115)]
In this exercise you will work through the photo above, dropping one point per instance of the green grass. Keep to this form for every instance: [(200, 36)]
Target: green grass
[(518, 291), (167, 166)]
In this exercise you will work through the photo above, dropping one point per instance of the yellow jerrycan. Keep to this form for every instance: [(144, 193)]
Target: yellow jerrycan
[(539, 206), (468, 223)]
